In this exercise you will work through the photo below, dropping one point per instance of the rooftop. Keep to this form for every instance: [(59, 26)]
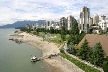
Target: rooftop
[(94, 38)]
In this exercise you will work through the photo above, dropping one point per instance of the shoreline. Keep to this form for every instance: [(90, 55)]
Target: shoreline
[(55, 64)]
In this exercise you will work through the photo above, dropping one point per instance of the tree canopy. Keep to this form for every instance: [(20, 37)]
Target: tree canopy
[(84, 51), (71, 49), (74, 34), (63, 34), (105, 66), (75, 29), (97, 55)]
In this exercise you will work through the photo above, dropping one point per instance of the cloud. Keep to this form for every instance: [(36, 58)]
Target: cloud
[(14, 10)]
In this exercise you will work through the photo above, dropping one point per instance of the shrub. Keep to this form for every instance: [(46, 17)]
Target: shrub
[(62, 51), (105, 66)]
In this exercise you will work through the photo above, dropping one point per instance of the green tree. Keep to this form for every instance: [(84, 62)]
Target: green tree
[(29, 30), (97, 55), (84, 51), (75, 29), (23, 29), (74, 39), (105, 66), (107, 30), (63, 34), (74, 34), (37, 31), (51, 30), (71, 49), (34, 32), (81, 36), (90, 31), (106, 58)]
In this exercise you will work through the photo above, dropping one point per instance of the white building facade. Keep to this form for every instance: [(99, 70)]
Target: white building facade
[(96, 19), (91, 21), (84, 19), (63, 22), (47, 25), (103, 25), (70, 21)]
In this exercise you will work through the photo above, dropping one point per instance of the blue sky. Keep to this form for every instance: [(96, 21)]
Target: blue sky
[(15, 10)]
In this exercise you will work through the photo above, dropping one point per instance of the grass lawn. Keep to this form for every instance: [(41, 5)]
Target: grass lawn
[(41, 33), (56, 39)]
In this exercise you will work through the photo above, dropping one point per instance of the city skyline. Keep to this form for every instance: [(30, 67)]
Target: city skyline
[(12, 11)]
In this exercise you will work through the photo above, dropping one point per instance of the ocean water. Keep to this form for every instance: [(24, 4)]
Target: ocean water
[(16, 57)]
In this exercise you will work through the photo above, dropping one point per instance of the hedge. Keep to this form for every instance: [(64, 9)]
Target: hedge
[(81, 65)]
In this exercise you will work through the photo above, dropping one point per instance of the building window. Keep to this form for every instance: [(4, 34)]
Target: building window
[(87, 25), (83, 26)]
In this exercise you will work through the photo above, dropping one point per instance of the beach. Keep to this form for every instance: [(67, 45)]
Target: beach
[(57, 63)]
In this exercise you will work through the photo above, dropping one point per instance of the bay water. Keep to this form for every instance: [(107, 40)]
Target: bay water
[(16, 57)]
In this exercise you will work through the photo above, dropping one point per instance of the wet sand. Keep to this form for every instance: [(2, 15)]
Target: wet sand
[(56, 64)]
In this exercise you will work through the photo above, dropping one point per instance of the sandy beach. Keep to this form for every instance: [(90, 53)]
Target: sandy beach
[(56, 64)]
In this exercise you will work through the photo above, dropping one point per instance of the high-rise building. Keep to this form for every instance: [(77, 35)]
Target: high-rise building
[(70, 21), (84, 19), (47, 24), (51, 22), (96, 19), (91, 21), (63, 22), (103, 23), (103, 17)]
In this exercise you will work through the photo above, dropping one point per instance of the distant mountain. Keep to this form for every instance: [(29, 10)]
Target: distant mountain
[(22, 24)]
